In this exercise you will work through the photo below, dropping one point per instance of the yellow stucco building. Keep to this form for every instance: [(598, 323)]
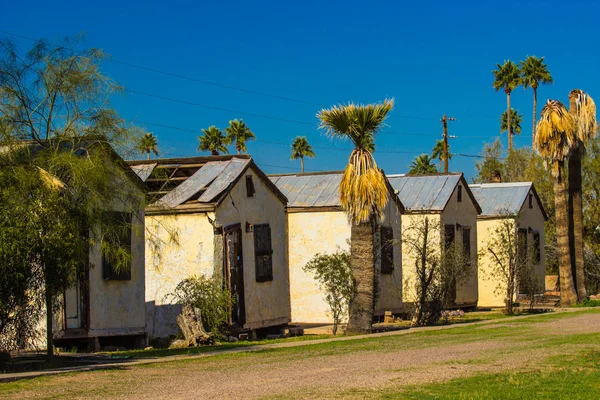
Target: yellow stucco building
[(215, 216), (317, 224), (520, 203), (445, 199)]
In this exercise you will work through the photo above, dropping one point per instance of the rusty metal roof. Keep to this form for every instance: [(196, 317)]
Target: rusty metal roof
[(499, 199), (424, 192), (310, 190), (144, 170)]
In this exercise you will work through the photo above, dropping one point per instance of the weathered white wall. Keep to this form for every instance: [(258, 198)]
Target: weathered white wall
[(326, 232), (178, 246), (117, 307), (311, 233), (465, 214), (410, 224), (390, 285), (491, 290), (267, 303)]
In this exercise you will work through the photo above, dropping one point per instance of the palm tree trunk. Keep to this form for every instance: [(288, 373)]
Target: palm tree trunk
[(534, 118), (509, 130), (568, 296), (576, 226), (302, 163), (148, 156), (362, 263)]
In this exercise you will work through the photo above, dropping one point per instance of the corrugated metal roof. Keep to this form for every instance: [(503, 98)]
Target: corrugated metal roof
[(424, 192), (211, 180), (310, 190), (498, 199), (143, 170)]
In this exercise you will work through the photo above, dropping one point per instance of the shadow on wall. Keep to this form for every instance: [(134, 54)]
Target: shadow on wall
[(161, 320)]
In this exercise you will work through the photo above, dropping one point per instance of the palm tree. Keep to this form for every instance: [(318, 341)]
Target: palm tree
[(148, 144), (301, 149), (507, 77), (555, 134), (213, 140), (363, 196), (422, 165), (533, 72), (583, 110), (238, 132), (515, 122), (438, 152)]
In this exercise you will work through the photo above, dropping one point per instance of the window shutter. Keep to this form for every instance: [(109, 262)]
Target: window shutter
[(263, 253), (387, 250), (466, 243), (448, 236), (537, 251), (459, 193), (121, 223)]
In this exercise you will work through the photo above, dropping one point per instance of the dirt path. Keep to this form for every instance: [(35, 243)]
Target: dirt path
[(320, 372)]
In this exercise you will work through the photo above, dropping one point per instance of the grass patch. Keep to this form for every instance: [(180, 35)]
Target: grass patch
[(588, 303), (568, 377)]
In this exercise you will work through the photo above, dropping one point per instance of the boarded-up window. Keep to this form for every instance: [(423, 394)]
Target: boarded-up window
[(263, 253), (119, 243), (522, 246), (448, 236), (537, 250), (466, 243), (459, 193), (387, 250), (249, 186)]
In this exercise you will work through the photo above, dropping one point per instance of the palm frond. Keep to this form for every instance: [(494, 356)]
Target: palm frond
[(507, 76), (301, 148), (213, 140), (363, 189), (586, 115), (534, 71), (555, 131), (515, 121)]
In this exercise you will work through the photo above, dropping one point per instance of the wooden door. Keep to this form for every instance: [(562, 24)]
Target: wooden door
[(234, 273)]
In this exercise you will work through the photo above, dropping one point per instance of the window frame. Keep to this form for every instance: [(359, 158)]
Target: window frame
[(260, 274), (250, 190), (108, 272), (386, 234)]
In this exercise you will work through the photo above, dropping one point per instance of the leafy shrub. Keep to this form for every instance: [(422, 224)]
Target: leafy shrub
[(335, 278), (588, 303), (209, 296)]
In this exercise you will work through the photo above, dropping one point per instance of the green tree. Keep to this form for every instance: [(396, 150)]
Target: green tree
[(335, 278), (213, 140), (239, 133), (363, 196), (490, 166), (507, 77), (438, 152), (515, 121), (583, 110), (555, 133), (148, 144), (58, 135), (422, 165), (533, 72), (301, 149)]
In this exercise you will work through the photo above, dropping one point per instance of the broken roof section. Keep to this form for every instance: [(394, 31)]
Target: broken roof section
[(202, 181), (428, 192), (314, 190), (501, 199)]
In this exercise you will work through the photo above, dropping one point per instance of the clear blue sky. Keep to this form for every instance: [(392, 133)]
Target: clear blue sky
[(434, 58)]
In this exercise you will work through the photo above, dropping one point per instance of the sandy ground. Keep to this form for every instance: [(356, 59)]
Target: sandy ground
[(272, 374)]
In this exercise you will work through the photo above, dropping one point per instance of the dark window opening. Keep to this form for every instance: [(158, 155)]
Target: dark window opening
[(530, 200), (387, 250), (249, 186), (119, 242), (537, 250), (263, 253), (459, 193), (448, 236), (521, 257)]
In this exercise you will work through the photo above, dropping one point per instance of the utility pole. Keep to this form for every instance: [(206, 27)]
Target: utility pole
[(445, 120)]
